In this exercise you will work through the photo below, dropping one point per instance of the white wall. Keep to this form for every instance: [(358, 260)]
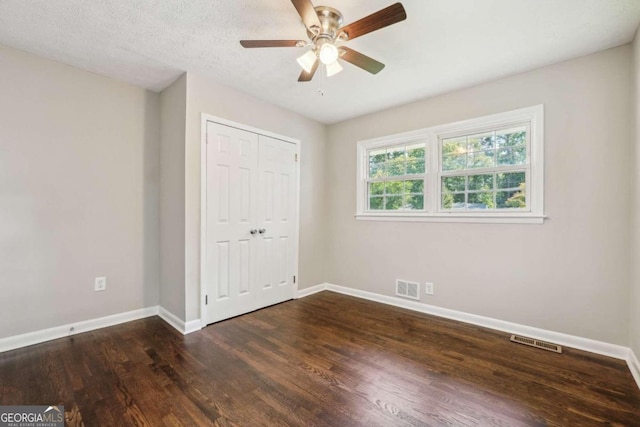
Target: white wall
[(569, 275), (204, 96), (79, 160), (634, 321), (173, 116), (80, 185)]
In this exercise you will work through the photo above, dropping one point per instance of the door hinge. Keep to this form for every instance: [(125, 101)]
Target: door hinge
[(294, 279), (206, 300), (296, 157)]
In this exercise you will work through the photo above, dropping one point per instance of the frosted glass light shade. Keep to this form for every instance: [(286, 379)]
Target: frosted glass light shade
[(333, 68), (328, 54), (307, 60)]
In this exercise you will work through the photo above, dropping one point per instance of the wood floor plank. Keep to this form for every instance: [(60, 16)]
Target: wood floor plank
[(325, 360)]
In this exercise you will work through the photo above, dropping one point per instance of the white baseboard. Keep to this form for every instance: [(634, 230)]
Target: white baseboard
[(177, 323), (586, 344), (634, 366), (312, 290), (37, 337), (192, 326)]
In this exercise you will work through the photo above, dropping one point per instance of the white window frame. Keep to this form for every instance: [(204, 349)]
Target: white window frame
[(533, 117)]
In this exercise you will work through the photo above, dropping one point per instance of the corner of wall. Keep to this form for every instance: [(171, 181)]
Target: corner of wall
[(634, 289), (173, 101), (151, 211)]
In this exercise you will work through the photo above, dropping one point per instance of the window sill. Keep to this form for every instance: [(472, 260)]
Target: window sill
[(454, 217)]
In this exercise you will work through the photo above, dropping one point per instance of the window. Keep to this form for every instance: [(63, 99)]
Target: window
[(488, 169), (396, 178), (485, 171)]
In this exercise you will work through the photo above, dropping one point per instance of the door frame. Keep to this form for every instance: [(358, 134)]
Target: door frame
[(204, 118)]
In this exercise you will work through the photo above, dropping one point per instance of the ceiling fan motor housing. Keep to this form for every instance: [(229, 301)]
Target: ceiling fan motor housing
[(330, 21)]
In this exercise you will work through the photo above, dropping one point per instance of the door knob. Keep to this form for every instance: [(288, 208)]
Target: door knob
[(262, 231), (253, 231)]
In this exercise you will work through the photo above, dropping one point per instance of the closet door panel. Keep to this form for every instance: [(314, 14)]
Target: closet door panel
[(276, 216), (231, 197)]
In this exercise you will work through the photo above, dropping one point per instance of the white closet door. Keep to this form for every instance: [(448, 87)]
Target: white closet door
[(251, 226), (232, 190), (277, 203)]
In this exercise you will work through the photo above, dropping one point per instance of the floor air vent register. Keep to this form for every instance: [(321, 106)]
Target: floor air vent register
[(536, 343)]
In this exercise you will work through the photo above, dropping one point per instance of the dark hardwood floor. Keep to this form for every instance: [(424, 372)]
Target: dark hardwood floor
[(325, 360)]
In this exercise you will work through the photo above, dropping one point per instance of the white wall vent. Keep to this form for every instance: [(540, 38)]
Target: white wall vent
[(407, 289), (536, 343)]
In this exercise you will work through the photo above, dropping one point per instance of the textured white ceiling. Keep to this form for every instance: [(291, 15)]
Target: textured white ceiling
[(442, 46)]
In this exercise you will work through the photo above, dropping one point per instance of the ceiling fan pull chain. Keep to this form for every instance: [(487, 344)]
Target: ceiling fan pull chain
[(320, 81)]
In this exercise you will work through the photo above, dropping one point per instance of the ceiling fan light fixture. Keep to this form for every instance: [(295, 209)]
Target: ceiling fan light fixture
[(307, 60), (325, 30), (333, 68), (328, 53)]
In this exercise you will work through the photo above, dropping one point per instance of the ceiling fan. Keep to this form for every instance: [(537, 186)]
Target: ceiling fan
[(326, 35)]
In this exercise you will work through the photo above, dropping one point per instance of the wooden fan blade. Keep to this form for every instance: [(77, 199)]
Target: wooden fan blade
[(306, 77), (360, 60), (269, 43), (307, 12), (382, 18)]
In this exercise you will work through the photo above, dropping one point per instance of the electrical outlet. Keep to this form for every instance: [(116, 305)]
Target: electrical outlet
[(428, 288), (100, 284)]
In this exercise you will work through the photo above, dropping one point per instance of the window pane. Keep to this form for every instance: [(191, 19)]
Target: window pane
[(481, 182), (453, 183), (510, 180), (480, 159), (396, 161), (512, 156), (479, 142), (377, 156), (414, 186), (396, 167), (376, 188), (394, 187), (452, 146), (511, 137), (377, 160), (415, 201), (415, 152), (377, 171), (483, 200), (514, 199), (395, 153), (454, 162), (393, 203), (415, 166), (376, 203), (453, 201)]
